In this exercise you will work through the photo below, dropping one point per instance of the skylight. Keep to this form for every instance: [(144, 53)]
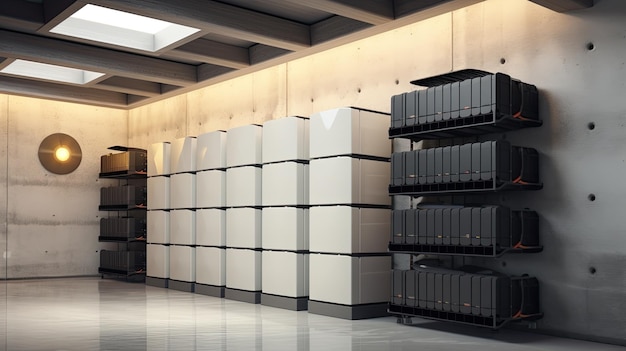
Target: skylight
[(50, 72), (120, 28)]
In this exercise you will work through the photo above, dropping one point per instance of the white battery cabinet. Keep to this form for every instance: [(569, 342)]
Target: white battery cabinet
[(243, 186), (210, 271), (347, 230), (285, 184), (349, 281), (158, 263), (211, 189), (183, 227), (211, 150), (158, 227), (349, 131), (347, 180), (182, 267), (158, 193), (243, 227), (211, 227), (285, 279), (243, 275), (243, 146), (182, 190), (159, 159), (285, 228), (183, 155), (286, 139)]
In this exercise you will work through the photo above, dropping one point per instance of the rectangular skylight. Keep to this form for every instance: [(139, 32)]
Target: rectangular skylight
[(50, 72), (121, 28)]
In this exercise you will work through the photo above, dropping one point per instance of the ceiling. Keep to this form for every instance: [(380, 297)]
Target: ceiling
[(234, 37)]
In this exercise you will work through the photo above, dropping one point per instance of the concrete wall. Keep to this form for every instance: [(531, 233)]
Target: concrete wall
[(52, 220), (578, 85)]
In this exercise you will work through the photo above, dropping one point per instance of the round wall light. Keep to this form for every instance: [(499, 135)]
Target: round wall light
[(60, 153)]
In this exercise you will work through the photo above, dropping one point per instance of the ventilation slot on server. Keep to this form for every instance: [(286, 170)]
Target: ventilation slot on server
[(122, 229), (486, 166), (462, 103), (133, 162), (122, 197), (470, 231), (122, 262), (485, 299)]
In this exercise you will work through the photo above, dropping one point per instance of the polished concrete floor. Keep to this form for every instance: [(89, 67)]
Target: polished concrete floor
[(102, 314)]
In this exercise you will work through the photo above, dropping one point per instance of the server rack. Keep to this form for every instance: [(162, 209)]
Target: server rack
[(463, 104)]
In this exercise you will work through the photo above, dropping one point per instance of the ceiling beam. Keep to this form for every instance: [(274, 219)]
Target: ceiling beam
[(335, 27), (564, 5), (228, 20), (368, 11), (46, 90), (130, 86), (59, 52), (208, 71), (209, 51), (20, 14)]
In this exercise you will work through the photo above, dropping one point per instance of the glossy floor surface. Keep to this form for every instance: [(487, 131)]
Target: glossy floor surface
[(101, 314)]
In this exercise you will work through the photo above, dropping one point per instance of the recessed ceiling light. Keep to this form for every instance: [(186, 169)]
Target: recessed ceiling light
[(121, 28), (50, 72)]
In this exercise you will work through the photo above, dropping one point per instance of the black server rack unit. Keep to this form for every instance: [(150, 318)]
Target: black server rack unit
[(486, 299), (460, 104), (470, 231), (474, 167), (122, 262), (131, 162), (464, 103), (122, 228), (123, 197)]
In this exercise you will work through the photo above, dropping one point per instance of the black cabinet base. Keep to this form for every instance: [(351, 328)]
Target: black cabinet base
[(181, 285), (157, 282), (243, 295), (351, 312), (210, 290), (285, 302)]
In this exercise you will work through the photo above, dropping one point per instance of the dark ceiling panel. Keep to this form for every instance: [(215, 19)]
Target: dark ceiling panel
[(292, 10)]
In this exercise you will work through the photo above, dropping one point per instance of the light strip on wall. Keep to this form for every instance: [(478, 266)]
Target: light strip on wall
[(50, 72), (121, 28)]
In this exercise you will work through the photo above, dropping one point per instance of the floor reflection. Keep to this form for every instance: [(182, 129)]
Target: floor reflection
[(104, 314)]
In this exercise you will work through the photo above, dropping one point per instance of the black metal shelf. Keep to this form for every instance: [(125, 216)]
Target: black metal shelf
[(480, 321), (462, 127), (121, 207), (461, 187), (477, 251), (123, 175)]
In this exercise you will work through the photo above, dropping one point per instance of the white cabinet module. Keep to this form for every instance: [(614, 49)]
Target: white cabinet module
[(158, 227), (285, 228), (183, 155), (159, 159), (183, 227), (285, 273), (211, 266), (348, 131), (182, 190), (243, 186), (183, 263), (348, 280), (347, 180), (211, 189), (158, 193), (243, 146), (211, 150), (243, 269), (211, 227), (243, 227), (158, 261), (285, 184), (344, 229), (286, 139)]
